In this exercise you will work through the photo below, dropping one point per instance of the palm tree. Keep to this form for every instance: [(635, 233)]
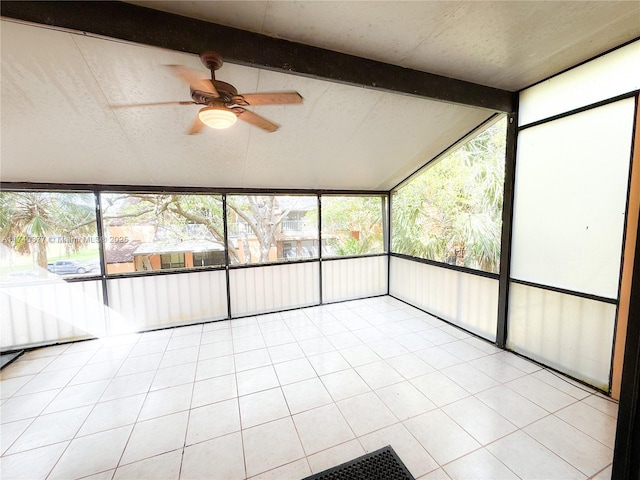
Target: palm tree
[(28, 221), (452, 212)]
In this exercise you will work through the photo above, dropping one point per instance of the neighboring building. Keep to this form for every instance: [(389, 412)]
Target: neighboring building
[(296, 234), (142, 253), (119, 256), (170, 255)]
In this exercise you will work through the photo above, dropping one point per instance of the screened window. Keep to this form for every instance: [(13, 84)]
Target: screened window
[(149, 232), (208, 259), (452, 211), (48, 235), (353, 225), (271, 228), (172, 260)]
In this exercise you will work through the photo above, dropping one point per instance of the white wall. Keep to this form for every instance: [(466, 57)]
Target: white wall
[(608, 76), (270, 288), (46, 312), (570, 200), (566, 332), (572, 177), (147, 302), (464, 299), (352, 278), (53, 311)]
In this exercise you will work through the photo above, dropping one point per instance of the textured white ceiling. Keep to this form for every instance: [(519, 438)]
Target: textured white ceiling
[(58, 124), (505, 44), (57, 88)]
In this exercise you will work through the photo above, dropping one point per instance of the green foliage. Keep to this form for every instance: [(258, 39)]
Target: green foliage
[(352, 225), (28, 220), (168, 214), (452, 212)]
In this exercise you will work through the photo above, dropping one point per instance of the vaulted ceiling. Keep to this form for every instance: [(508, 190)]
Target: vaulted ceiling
[(355, 129)]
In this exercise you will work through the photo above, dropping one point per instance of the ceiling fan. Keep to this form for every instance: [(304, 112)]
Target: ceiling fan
[(223, 105)]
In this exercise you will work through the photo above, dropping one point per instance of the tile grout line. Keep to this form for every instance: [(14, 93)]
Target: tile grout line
[(193, 387), (146, 395), (306, 356), (75, 434)]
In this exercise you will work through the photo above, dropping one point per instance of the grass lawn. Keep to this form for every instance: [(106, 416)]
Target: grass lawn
[(21, 263)]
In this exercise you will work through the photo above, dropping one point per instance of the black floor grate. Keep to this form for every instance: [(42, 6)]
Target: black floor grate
[(382, 464)]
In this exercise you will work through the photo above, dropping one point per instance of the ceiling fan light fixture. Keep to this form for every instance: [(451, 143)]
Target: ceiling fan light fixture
[(217, 118)]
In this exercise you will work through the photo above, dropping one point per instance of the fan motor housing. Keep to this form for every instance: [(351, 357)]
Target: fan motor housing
[(226, 91)]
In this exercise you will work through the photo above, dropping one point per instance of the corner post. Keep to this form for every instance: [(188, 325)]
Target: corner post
[(507, 225)]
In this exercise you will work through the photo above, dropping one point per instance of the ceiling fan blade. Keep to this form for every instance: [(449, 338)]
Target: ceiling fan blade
[(256, 120), (154, 104), (196, 126), (194, 79), (272, 98)]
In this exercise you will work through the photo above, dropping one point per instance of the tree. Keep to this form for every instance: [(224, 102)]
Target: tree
[(29, 220), (169, 214), (263, 215), (452, 211), (352, 225)]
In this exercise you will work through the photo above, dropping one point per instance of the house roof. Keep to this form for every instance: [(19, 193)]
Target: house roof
[(120, 252), (178, 247), (370, 116)]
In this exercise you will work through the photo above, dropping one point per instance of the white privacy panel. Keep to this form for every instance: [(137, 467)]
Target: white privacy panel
[(49, 312), (570, 200), (566, 332), (273, 287), (605, 77), (464, 299), (141, 303), (353, 278)]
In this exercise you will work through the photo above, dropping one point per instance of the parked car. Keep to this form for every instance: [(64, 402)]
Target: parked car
[(65, 267)]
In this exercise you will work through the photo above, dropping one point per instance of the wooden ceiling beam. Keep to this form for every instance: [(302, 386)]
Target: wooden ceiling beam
[(142, 25)]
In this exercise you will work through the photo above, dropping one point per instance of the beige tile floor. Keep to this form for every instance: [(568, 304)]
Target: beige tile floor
[(289, 394)]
